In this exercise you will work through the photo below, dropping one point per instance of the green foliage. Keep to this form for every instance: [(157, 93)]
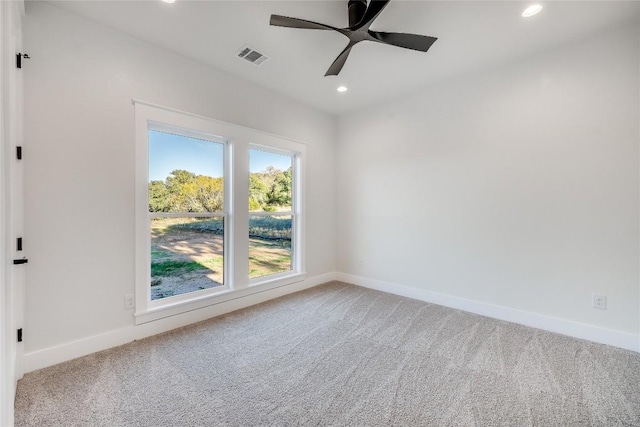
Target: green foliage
[(174, 268), (257, 192), (201, 225), (280, 191), (180, 267), (270, 190), (184, 191), (210, 193), (270, 227), (159, 200), (266, 227)]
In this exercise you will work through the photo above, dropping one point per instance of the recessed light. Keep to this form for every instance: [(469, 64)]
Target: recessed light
[(342, 89), (531, 10), (169, 1)]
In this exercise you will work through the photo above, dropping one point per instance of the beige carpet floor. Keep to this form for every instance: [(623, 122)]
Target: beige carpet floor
[(339, 354)]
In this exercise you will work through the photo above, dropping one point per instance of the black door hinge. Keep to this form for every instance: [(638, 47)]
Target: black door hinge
[(19, 152), (20, 261), (19, 57), (19, 244), (20, 335)]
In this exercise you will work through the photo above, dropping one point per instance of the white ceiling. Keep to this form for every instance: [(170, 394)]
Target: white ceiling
[(471, 35)]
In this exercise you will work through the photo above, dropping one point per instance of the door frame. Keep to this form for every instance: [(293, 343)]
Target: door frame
[(11, 206)]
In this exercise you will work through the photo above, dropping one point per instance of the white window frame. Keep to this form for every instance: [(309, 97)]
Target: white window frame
[(227, 244), (294, 213), (237, 140)]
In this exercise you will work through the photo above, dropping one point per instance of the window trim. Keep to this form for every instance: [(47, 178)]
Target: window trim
[(227, 267), (238, 140), (294, 213)]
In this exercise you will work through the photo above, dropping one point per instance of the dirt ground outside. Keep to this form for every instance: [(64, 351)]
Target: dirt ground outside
[(187, 255)]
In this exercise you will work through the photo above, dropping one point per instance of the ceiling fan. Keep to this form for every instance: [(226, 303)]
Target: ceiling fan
[(361, 17)]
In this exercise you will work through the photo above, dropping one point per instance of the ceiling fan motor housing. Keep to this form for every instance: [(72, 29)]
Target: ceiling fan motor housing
[(357, 8)]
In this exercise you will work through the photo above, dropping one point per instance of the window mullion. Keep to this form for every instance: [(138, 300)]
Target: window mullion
[(240, 205), (186, 214), (275, 213)]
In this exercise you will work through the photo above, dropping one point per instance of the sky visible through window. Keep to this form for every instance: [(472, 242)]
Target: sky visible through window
[(168, 152), (259, 161)]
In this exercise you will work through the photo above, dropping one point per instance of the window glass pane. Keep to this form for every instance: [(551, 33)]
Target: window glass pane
[(187, 255), (269, 245), (269, 182), (185, 174)]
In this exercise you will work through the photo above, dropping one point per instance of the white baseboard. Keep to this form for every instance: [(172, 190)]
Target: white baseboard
[(71, 350), (597, 334)]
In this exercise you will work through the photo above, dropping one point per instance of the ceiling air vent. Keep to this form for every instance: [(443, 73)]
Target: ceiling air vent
[(251, 55)]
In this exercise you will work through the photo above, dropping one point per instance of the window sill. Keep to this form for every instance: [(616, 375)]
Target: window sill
[(179, 307)]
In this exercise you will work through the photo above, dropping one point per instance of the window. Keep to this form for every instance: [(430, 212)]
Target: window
[(271, 212), (219, 212), (186, 212)]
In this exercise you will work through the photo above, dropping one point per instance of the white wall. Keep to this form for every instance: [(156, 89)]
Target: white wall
[(516, 186), (80, 164)]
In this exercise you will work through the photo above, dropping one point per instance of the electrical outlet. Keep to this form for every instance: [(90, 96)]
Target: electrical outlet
[(361, 264), (128, 301), (599, 301)]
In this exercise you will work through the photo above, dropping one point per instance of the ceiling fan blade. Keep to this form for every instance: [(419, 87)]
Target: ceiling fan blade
[(337, 65), (285, 21), (374, 9), (356, 9), (408, 41)]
